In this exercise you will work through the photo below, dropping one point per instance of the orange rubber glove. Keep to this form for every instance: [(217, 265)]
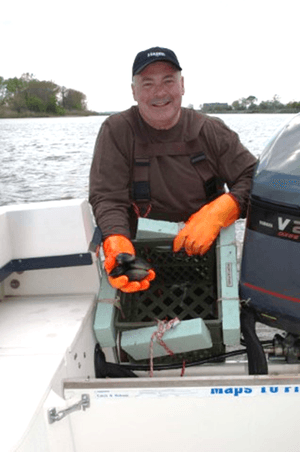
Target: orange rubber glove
[(203, 227), (114, 245)]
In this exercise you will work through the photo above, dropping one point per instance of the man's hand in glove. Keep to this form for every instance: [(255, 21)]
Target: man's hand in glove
[(125, 271), (203, 227)]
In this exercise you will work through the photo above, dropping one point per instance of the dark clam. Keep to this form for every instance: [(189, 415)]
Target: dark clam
[(117, 271), (141, 264), (133, 267), (136, 274), (125, 258)]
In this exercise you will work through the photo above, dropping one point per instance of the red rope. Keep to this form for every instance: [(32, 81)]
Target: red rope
[(183, 368), (138, 212), (162, 327)]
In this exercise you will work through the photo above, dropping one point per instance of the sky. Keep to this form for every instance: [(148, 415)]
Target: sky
[(228, 49)]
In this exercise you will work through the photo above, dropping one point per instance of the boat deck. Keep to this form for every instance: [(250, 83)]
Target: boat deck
[(43, 340)]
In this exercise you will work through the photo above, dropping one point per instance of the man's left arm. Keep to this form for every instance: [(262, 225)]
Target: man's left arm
[(234, 164)]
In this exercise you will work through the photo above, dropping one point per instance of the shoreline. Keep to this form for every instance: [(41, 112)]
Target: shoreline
[(9, 114)]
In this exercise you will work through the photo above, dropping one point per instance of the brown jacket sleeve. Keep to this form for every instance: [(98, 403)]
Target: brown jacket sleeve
[(230, 160), (110, 177)]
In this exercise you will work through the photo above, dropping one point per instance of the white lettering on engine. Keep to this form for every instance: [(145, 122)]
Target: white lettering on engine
[(282, 224), (296, 229), (264, 223)]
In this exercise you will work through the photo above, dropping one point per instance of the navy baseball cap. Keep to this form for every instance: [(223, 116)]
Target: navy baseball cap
[(146, 57)]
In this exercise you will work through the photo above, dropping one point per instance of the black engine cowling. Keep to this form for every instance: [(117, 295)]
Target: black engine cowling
[(270, 271)]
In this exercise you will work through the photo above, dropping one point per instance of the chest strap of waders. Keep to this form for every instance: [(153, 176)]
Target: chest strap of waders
[(141, 193), (213, 186)]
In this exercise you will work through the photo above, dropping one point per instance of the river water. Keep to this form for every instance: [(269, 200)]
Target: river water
[(44, 159)]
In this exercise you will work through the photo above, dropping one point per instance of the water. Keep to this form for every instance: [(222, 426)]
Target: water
[(45, 159)]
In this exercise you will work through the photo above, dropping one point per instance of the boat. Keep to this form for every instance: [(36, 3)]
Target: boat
[(84, 368)]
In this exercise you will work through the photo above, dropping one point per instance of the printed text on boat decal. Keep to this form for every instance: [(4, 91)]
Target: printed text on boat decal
[(214, 392)]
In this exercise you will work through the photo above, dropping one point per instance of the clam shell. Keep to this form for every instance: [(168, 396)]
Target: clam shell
[(136, 274), (135, 268)]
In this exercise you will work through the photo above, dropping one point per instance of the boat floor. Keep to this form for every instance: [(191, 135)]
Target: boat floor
[(47, 347), (38, 337)]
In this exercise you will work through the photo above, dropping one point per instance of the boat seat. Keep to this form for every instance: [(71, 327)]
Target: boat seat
[(45, 249)]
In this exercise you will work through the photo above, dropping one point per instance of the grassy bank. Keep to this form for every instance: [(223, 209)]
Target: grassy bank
[(7, 113)]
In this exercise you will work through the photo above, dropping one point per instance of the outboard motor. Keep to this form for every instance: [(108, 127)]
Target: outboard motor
[(270, 272)]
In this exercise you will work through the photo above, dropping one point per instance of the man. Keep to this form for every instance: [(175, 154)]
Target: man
[(166, 162)]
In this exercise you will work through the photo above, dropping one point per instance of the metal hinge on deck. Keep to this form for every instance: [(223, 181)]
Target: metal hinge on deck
[(54, 415)]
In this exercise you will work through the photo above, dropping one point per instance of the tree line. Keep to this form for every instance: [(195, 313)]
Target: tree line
[(28, 94), (251, 105)]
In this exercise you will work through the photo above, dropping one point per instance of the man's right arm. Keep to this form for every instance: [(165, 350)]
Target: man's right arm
[(110, 179)]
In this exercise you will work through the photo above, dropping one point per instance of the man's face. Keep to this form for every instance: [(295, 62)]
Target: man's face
[(158, 90)]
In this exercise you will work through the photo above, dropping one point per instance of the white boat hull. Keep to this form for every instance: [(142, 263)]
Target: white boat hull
[(46, 359)]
